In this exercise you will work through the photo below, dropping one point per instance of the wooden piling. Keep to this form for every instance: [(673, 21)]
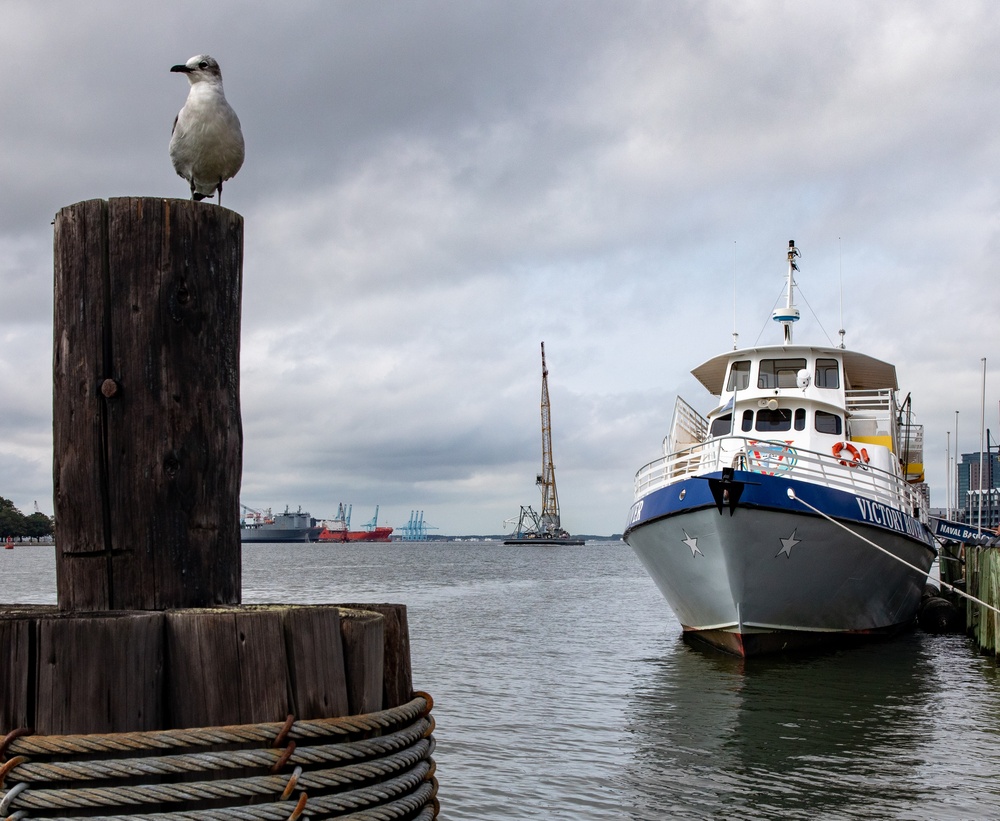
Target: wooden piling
[(397, 676), (149, 635), (149, 632), (146, 417), (983, 579)]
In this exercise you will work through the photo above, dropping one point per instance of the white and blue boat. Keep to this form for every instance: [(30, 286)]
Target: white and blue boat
[(794, 511)]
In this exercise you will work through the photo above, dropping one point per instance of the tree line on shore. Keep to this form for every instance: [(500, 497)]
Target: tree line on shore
[(14, 524)]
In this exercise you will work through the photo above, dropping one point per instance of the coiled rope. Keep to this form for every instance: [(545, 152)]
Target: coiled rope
[(371, 767)]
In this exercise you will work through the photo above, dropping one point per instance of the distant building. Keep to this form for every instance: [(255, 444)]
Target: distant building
[(979, 489)]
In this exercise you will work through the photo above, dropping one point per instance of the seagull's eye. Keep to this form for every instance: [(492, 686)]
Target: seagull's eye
[(202, 64)]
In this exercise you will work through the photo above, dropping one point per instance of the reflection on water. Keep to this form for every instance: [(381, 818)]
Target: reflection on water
[(563, 690), (841, 734)]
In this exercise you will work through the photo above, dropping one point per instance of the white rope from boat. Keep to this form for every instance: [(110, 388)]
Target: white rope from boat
[(793, 497)]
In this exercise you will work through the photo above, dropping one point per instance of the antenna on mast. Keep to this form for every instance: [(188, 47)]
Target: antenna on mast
[(840, 254), (736, 336), (789, 314)]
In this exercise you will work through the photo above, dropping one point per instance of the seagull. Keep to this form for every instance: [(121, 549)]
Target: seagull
[(206, 144)]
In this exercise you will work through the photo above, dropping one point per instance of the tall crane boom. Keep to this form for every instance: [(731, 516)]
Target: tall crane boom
[(547, 478), (546, 528)]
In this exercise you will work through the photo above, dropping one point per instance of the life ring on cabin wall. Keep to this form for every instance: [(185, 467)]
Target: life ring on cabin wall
[(858, 457)]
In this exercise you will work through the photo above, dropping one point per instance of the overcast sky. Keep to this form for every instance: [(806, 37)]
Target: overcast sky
[(431, 189)]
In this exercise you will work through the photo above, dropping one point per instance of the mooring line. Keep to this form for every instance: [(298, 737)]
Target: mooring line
[(793, 497)]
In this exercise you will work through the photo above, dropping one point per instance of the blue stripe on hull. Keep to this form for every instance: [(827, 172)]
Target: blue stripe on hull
[(771, 492), (775, 567)]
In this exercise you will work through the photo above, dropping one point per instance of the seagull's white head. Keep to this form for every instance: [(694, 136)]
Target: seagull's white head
[(200, 68)]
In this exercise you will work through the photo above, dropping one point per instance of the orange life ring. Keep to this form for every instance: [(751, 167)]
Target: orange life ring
[(857, 457)]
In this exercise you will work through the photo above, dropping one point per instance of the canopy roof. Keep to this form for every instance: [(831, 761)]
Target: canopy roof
[(861, 372)]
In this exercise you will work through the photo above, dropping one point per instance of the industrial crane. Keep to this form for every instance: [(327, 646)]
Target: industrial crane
[(549, 518), (544, 527)]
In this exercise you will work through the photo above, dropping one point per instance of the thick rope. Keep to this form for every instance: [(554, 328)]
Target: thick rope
[(397, 796), (235, 788), (215, 761), (323, 806), (209, 736), (388, 776)]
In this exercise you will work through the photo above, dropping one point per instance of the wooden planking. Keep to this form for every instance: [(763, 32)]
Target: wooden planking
[(99, 674), (15, 709), (140, 670), (983, 576), (148, 471), (175, 436), (227, 666), (78, 366), (17, 671), (316, 662), (397, 676), (363, 634)]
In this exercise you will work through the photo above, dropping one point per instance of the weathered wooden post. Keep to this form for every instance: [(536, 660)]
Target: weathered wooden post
[(149, 637), (146, 419)]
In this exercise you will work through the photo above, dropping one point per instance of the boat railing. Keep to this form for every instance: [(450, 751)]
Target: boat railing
[(777, 459), (873, 412), (687, 427), (872, 401)]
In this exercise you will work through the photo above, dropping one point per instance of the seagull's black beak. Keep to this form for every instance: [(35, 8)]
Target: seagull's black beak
[(185, 69)]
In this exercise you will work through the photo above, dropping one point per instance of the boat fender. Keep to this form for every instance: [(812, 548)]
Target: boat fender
[(938, 615), (857, 457)]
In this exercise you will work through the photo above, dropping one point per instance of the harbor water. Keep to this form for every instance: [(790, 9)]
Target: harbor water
[(563, 690)]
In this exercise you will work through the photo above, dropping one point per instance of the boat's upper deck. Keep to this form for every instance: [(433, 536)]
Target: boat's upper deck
[(860, 371), (776, 404)]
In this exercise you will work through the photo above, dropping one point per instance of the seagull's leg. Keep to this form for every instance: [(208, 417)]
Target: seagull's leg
[(220, 192), (191, 183)]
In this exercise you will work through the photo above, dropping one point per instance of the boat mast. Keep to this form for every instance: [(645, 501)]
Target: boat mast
[(547, 478), (789, 314)]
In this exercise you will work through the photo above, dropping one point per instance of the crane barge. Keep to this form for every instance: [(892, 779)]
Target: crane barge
[(544, 527)]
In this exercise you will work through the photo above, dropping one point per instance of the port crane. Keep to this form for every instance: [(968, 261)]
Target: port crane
[(545, 526), (549, 517), (415, 530)]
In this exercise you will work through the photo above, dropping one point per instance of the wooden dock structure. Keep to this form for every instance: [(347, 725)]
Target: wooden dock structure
[(975, 569), (149, 636)]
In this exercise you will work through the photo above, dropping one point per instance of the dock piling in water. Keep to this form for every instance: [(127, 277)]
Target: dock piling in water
[(149, 635), (147, 435)]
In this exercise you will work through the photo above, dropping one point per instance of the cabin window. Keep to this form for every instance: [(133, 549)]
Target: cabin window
[(779, 373), (722, 425), (739, 376), (800, 419), (828, 423), (827, 373), (774, 420), (747, 420)]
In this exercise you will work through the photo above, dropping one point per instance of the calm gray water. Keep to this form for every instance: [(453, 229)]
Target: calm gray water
[(563, 691)]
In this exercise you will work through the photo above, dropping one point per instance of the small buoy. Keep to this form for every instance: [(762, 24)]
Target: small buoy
[(937, 615)]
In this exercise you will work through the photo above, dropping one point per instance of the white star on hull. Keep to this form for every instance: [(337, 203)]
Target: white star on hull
[(787, 545), (692, 543)]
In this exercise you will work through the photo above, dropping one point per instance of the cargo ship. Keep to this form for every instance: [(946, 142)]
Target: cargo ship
[(338, 529), (263, 526)]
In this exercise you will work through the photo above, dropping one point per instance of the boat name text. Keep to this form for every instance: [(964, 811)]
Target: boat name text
[(634, 513), (886, 516)]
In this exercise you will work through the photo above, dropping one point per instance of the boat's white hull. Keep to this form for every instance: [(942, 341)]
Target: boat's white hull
[(770, 574)]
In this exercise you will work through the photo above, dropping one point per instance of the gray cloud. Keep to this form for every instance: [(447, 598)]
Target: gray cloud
[(432, 188)]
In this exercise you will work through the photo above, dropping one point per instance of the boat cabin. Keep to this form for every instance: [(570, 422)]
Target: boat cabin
[(824, 400)]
